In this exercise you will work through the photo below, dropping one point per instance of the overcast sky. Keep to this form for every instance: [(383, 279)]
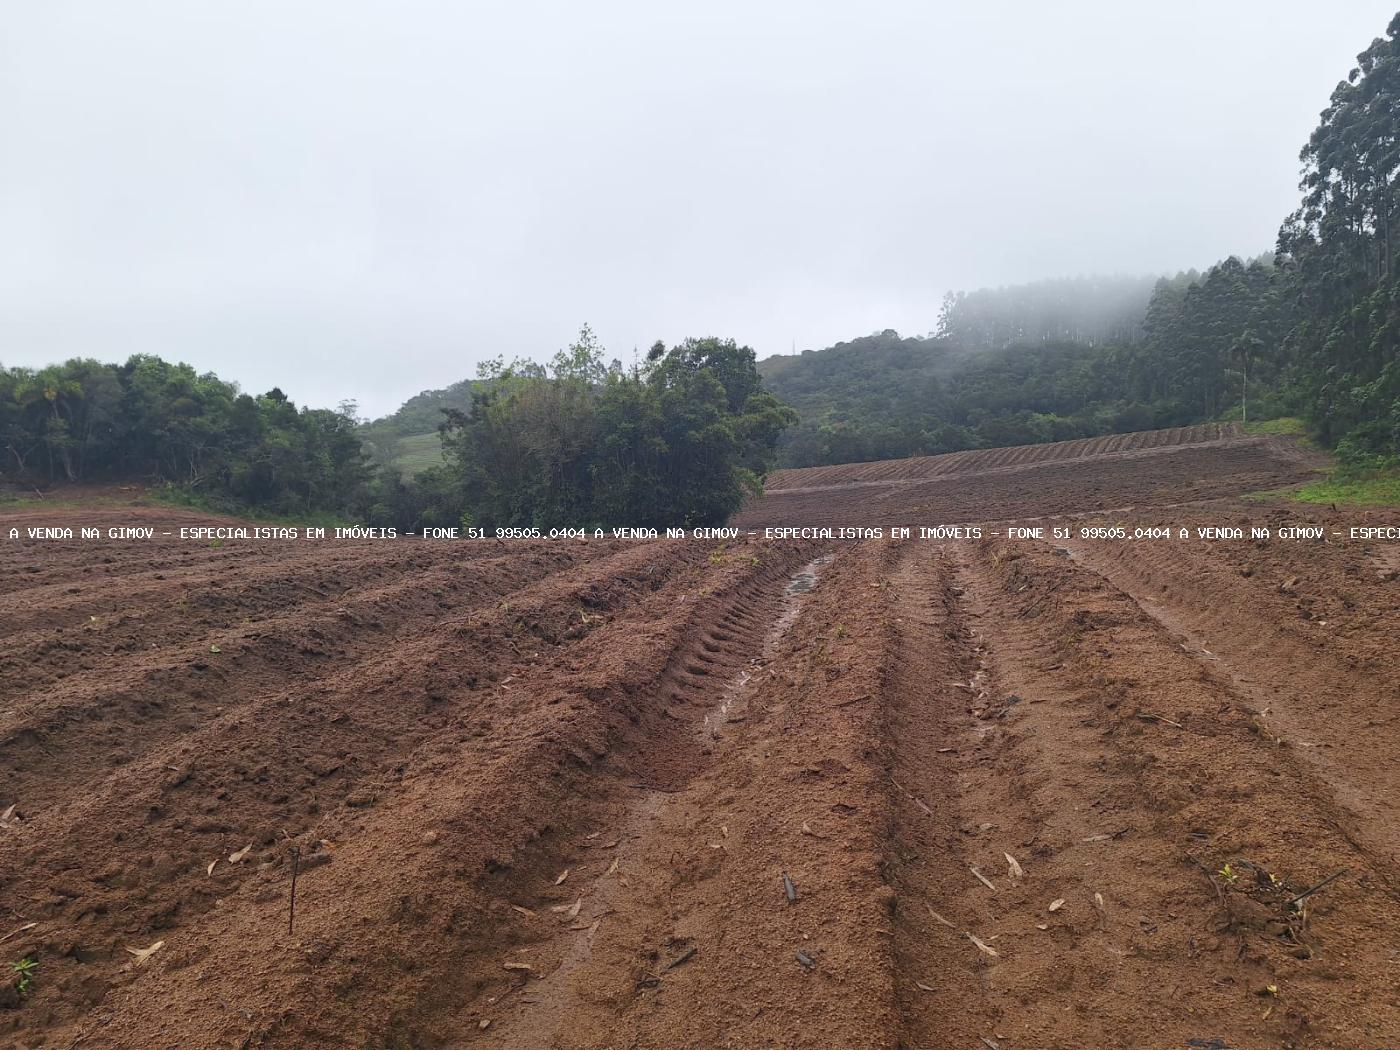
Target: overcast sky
[(362, 200)]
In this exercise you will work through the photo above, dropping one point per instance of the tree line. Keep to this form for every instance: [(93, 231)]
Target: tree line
[(85, 420), (1208, 346), (680, 438)]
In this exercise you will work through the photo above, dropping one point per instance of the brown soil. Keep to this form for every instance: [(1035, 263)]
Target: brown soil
[(1154, 468), (701, 795)]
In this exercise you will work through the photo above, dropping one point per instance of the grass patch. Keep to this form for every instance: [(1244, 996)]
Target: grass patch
[(173, 496), (16, 501), (1371, 488), (1373, 483), (1290, 426), (417, 452)]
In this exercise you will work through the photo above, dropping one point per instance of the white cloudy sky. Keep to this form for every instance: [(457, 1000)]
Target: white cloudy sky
[(359, 199)]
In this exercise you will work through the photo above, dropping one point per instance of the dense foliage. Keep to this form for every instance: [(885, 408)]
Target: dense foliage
[(84, 421), (1047, 361), (871, 398), (678, 440), (1341, 245), (950, 400), (1208, 346), (1207, 340)]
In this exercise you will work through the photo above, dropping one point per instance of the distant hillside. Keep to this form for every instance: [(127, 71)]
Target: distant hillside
[(852, 398), (407, 439), (883, 396), (1051, 360)]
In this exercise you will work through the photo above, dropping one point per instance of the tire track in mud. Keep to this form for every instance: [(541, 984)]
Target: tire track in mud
[(709, 677), (696, 943), (607, 773), (1122, 778)]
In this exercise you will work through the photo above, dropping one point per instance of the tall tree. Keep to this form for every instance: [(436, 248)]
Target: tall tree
[(1342, 243)]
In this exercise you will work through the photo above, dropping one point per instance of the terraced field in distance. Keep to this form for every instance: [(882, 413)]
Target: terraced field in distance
[(1155, 467)]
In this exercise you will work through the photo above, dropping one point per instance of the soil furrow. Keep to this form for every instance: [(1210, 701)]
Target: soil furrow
[(112, 718), (1302, 676), (567, 706), (710, 945), (1151, 803)]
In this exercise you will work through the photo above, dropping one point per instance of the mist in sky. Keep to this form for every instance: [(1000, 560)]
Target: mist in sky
[(363, 200)]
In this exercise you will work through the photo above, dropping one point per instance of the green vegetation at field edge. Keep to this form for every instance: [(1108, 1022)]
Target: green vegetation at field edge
[(1286, 426), (176, 496), (1377, 488)]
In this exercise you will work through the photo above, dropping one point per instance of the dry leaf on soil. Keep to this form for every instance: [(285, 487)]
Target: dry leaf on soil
[(142, 954), (15, 933), (939, 918), (983, 945)]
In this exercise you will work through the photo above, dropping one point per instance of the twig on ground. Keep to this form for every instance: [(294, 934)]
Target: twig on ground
[(1313, 889)]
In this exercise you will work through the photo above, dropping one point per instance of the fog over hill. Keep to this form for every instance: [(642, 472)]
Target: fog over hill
[(367, 205)]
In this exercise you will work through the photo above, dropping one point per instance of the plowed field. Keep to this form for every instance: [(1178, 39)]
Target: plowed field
[(606, 794), (1152, 468)]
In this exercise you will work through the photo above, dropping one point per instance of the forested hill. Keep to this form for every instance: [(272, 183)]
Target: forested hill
[(415, 423), (1004, 367), (423, 412), (848, 396)]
